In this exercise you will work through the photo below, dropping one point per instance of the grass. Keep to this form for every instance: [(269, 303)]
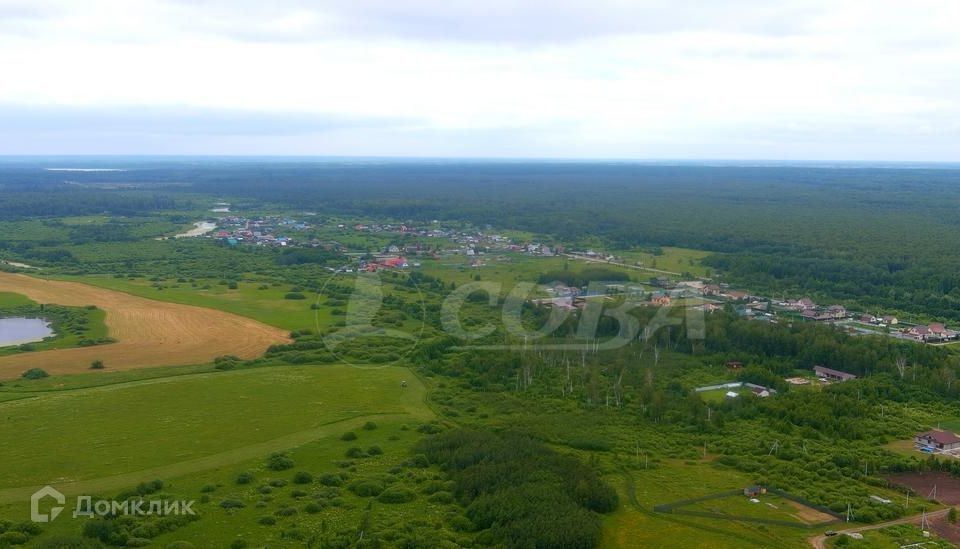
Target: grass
[(636, 525), (267, 306), (678, 260), (9, 300), (142, 425)]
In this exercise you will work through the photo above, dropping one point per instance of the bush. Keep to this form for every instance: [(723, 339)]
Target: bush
[(366, 487), (375, 450), (330, 479), (35, 373), (397, 494), (369, 426), (13, 538), (96, 365), (206, 488), (286, 512), (232, 504), (348, 436), (245, 477), (279, 462), (267, 521), (302, 477), (68, 542), (278, 483), (312, 508), (294, 295), (356, 452), (238, 544), (442, 498)]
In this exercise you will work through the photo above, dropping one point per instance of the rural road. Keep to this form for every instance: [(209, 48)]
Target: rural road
[(820, 541), (628, 266)]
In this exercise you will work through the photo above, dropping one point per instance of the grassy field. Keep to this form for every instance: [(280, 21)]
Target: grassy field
[(768, 507), (678, 260), (201, 431), (10, 299), (265, 305), (635, 524), (187, 418)]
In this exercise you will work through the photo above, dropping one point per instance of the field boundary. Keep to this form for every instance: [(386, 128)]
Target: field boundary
[(676, 507)]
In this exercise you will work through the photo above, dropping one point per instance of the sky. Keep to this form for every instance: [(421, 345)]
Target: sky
[(626, 79)]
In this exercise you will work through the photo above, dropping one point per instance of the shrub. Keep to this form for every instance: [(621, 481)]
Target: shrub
[(279, 462), (442, 498), (96, 365), (356, 452), (208, 488), (302, 477), (35, 373), (349, 435), (245, 477), (294, 295), (330, 479), (396, 494), (13, 538), (278, 483), (369, 426), (375, 450), (286, 512), (312, 508), (232, 504), (366, 487), (238, 544), (267, 521), (68, 542)]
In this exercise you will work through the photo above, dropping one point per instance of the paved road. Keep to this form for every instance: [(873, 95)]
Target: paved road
[(820, 541)]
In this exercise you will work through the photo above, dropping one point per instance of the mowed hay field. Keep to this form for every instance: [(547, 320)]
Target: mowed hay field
[(148, 332)]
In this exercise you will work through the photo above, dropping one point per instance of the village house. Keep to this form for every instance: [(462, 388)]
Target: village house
[(932, 332), (711, 289), (937, 440), (660, 298), (736, 295), (754, 491), (837, 312), (800, 304), (868, 319), (834, 375)]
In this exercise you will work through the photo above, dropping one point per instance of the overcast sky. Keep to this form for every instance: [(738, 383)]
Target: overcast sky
[(741, 79)]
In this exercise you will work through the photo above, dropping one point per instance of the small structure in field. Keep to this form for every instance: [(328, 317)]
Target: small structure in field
[(937, 440), (754, 491), (831, 374)]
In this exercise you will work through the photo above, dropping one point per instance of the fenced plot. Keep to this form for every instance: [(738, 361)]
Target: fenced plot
[(774, 507)]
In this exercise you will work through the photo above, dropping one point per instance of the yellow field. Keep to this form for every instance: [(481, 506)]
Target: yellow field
[(148, 333)]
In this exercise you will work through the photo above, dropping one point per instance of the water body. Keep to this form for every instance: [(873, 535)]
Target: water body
[(16, 331)]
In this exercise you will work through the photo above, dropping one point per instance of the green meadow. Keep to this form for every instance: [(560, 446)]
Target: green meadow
[(172, 423)]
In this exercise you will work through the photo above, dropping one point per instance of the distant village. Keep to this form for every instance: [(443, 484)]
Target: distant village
[(658, 290)]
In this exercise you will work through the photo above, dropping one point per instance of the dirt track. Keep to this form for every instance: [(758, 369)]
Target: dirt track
[(148, 333)]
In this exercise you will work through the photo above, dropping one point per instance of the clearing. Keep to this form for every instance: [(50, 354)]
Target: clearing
[(191, 423)]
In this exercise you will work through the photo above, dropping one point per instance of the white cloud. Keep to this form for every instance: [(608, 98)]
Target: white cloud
[(743, 78)]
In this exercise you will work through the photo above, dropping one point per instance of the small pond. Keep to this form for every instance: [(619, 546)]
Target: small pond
[(16, 331)]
